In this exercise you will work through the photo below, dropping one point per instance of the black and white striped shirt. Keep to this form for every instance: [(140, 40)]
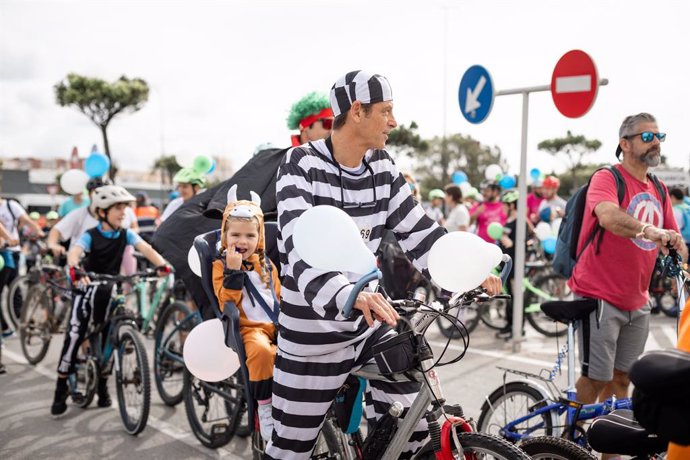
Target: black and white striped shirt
[(310, 320)]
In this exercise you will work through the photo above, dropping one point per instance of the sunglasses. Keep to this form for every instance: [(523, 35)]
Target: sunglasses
[(327, 123), (647, 136)]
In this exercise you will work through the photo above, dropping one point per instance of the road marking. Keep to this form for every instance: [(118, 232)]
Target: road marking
[(500, 355), (168, 429), (671, 334), (574, 84)]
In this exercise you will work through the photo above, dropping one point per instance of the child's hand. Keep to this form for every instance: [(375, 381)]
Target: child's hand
[(233, 259)]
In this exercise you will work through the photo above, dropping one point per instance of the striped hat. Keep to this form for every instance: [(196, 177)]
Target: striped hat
[(359, 86)]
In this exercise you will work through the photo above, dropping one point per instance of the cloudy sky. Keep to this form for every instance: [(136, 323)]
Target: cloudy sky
[(225, 73)]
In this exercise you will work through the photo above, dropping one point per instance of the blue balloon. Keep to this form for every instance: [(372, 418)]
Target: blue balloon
[(96, 165), (213, 166), (459, 177), (545, 214), (535, 173), (549, 245), (507, 182)]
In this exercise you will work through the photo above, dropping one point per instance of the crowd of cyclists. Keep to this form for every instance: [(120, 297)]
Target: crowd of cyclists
[(99, 233)]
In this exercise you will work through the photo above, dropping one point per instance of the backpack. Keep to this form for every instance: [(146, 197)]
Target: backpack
[(685, 210), (566, 255)]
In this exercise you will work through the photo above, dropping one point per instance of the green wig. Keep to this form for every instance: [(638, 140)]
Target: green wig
[(309, 105)]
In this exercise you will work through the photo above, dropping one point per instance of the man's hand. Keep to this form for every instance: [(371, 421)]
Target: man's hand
[(374, 306), (233, 259), (492, 285), (57, 249), (12, 242), (665, 239)]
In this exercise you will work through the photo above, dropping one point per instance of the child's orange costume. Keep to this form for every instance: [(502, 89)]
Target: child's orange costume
[(256, 298)]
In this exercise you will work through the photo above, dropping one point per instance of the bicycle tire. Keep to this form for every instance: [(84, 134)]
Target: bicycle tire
[(479, 443), (133, 388), (85, 380), (493, 314), (522, 396), (16, 292), (552, 448), (469, 316), (169, 372), (201, 399), (539, 321), (35, 325)]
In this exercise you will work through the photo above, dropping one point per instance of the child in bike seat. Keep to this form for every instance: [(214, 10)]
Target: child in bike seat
[(102, 247), (245, 276)]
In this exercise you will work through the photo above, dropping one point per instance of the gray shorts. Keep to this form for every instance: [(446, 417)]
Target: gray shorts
[(611, 339)]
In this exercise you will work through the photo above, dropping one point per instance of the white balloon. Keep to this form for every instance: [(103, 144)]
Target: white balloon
[(206, 355), (465, 188), (492, 171), (461, 261), (74, 181), (327, 238), (542, 230), (194, 261)]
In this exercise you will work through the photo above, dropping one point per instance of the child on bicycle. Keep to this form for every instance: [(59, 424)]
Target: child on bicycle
[(245, 276), (102, 247)]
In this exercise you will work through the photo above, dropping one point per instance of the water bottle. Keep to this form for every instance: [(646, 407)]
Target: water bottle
[(380, 438)]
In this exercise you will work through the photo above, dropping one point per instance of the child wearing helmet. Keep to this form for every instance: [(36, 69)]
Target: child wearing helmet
[(435, 209), (102, 248), (244, 276), (188, 182)]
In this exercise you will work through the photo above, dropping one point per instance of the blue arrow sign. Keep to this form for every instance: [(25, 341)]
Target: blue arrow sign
[(476, 94)]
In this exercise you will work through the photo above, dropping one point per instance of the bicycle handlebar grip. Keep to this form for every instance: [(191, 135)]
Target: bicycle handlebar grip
[(508, 265), (359, 285)]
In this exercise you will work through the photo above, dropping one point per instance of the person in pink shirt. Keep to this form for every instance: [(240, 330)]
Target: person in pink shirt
[(616, 268), (491, 210), (534, 199)]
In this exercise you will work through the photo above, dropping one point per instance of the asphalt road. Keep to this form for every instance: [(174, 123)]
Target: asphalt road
[(28, 431)]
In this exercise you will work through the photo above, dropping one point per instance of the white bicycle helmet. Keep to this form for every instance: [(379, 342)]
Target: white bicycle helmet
[(108, 195)]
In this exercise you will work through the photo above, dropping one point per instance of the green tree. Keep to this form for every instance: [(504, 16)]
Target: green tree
[(436, 165), (167, 166), (574, 149), (102, 101), (405, 140)]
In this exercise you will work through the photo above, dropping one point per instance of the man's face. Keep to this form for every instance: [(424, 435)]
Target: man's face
[(377, 124), (548, 193), (320, 129), (648, 153), (187, 191), (489, 193)]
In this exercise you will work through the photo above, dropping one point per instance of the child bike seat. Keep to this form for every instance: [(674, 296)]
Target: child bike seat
[(618, 432), (566, 311)]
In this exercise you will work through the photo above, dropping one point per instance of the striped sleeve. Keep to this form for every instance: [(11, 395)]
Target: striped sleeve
[(324, 291), (415, 230)]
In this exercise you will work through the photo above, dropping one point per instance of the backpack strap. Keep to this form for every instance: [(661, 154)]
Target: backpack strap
[(255, 295), (659, 188)]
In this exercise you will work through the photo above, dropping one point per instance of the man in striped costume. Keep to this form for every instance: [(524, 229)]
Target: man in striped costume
[(318, 347)]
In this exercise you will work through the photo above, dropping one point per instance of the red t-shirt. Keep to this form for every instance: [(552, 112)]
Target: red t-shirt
[(621, 271), (493, 212)]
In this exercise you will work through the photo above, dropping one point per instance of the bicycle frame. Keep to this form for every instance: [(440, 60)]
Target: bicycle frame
[(148, 310), (196, 316)]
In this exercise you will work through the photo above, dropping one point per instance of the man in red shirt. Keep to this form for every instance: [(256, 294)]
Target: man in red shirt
[(489, 211), (617, 268)]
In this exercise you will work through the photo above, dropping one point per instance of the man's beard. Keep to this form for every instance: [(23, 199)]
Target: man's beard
[(651, 157)]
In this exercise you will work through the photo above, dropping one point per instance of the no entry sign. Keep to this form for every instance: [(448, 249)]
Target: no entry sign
[(574, 84)]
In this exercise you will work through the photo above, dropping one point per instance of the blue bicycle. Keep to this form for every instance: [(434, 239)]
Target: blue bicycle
[(531, 406)]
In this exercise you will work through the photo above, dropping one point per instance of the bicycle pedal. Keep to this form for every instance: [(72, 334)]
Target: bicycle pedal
[(77, 398), (219, 430)]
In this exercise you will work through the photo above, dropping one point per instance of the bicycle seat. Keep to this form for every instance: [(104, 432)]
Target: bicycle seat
[(566, 311), (618, 432)]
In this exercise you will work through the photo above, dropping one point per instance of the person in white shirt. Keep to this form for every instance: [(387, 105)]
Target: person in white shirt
[(458, 215)]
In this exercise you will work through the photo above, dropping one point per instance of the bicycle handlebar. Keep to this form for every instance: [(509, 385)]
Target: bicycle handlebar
[(148, 273), (359, 285)]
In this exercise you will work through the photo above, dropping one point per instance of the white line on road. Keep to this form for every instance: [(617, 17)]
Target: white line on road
[(500, 355), (574, 84), (166, 428)]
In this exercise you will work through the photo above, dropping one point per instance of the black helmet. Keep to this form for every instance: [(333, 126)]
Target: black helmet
[(96, 182)]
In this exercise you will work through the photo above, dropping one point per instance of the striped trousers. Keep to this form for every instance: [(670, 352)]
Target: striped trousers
[(305, 386)]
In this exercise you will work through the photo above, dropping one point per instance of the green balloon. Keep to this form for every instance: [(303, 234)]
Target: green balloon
[(495, 230), (2, 262), (202, 164)]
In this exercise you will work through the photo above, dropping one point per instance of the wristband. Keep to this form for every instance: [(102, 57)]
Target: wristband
[(640, 234)]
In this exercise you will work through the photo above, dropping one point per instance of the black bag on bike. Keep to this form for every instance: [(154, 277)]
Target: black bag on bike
[(397, 354), (661, 399)]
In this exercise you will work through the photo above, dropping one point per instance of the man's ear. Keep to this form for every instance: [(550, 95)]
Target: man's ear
[(356, 111)]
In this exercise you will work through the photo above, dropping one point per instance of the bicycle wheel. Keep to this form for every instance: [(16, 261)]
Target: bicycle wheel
[(35, 325), (175, 323), (16, 293), (552, 448), (213, 409), (469, 316), (478, 445), (553, 287), (84, 381), (133, 381), (510, 402), (493, 314)]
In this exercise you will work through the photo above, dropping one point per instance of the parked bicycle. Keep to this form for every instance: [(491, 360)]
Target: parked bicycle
[(116, 343)]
